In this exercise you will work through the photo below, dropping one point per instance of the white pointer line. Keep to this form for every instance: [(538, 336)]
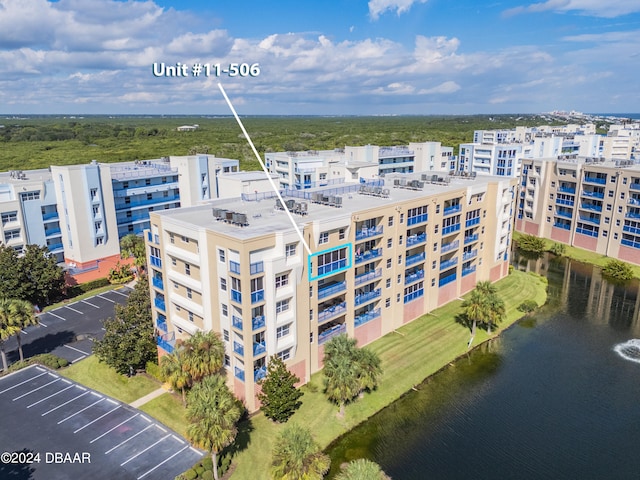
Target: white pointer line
[(273, 185)]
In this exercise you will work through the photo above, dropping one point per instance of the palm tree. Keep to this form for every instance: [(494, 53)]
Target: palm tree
[(342, 381), (368, 369), (475, 308), (496, 311), (341, 345), (173, 368), (204, 354), (8, 328), (212, 413), (22, 316), (361, 469), (296, 456)]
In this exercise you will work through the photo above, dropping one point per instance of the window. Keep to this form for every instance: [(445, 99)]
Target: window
[(436, 229), (388, 263), (221, 255), (400, 241), (175, 285), (402, 218), (389, 242), (185, 239), (610, 193), (399, 259), (438, 208), (282, 331), (324, 238), (608, 207), (11, 234), (98, 226), (398, 297), (390, 221), (282, 306), (125, 184), (399, 278), (223, 284), (96, 210), (99, 241), (191, 317), (341, 234), (93, 193), (435, 247), (290, 250), (149, 196), (286, 354), (189, 293), (605, 233), (187, 269), (388, 283), (147, 181), (387, 302), (225, 309), (174, 262), (434, 264), (227, 360), (433, 282), (9, 217), (282, 280)]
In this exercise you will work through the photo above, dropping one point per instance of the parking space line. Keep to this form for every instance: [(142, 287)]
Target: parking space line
[(40, 323), (162, 463), (57, 316), (77, 350), (35, 390), (80, 411), (101, 416), (140, 453), (22, 331), (53, 395), (161, 428), (63, 404), (109, 431), (78, 359), (130, 438), (22, 383), (106, 298), (95, 306), (77, 311), (178, 439), (119, 293), (195, 451)]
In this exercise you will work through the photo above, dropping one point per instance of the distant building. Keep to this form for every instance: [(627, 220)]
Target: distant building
[(187, 128)]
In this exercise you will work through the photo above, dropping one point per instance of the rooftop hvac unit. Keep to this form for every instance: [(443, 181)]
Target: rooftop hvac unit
[(279, 205), (240, 219), (290, 204), (385, 192), (338, 201), (423, 176), (419, 185), (303, 207), (403, 182), (228, 216)]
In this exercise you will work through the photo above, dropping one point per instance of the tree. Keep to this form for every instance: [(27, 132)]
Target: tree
[(213, 413), (496, 311), (174, 370), (483, 306), (204, 354), (11, 278), (617, 270), (531, 244), (129, 340), (132, 245), (361, 469), (279, 397), (296, 456), (369, 369), (7, 328), (22, 315)]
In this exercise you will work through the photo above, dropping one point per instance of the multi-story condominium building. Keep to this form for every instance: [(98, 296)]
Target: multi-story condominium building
[(381, 254), (591, 203), (622, 142)]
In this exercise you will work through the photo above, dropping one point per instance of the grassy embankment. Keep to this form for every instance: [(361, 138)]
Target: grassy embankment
[(581, 255)]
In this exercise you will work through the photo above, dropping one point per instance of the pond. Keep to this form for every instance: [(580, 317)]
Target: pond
[(555, 396)]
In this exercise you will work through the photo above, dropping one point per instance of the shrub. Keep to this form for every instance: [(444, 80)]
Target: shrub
[(207, 463), (199, 469), (558, 249), (120, 274), (190, 474), (47, 359), (531, 244), (528, 306), (208, 475), (153, 369), (617, 270)]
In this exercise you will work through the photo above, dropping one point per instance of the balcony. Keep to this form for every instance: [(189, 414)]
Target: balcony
[(367, 297), (634, 186), (155, 261), (50, 216), (584, 231), (452, 262), (452, 209), (55, 246), (634, 201), (414, 277), (413, 259), (259, 374), (236, 296), (238, 348), (144, 203), (257, 296), (239, 373), (331, 312), (159, 303), (468, 270), (562, 201), (331, 267), (161, 323), (451, 229), (469, 255), (593, 220), (331, 332), (590, 194), (447, 247), (366, 277), (413, 295), (446, 280), (471, 238), (632, 214), (629, 229), (564, 213), (236, 322), (591, 206), (158, 283), (332, 289), (368, 255), (366, 317), (259, 348), (630, 243), (52, 232), (368, 232), (416, 239), (570, 190), (471, 222), (598, 180), (416, 219), (564, 226), (258, 322), (167, 341)]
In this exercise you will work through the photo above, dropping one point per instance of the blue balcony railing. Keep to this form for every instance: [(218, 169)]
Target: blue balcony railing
[(238, 348), (452, 209), (471, 222), (55, 246), (591, 206), (332, 289), (447, 247), (468, 270), (331, 267), (331, 312), (413, 295), (258, 322), (236, 322), (416, 219), (451, 229), (564, 226), (236, 296), (368, 255), (50, 216), (157, 282), (369, 232), (584, 231), (590, 220), (145, 203), (416, 239), (50, 232), (259, 348), (469, 255), (564, 213), (367, 277), (413, 259), (634, 186), (471, 238), (257, 296), (167, 341), (562, 201), (239, 373), (366, 317), (161, 323), (598, 180), (629, 229), (448, 263), (331, 332), (634, 201), (414, 277), (570, 190), (367, 297), (155, 261), (630, 243), (632, 214), (446, 280), (590, 194), (159, 303), (259, 374)]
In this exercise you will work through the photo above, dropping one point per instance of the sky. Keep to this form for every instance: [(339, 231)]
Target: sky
[(324, 57)]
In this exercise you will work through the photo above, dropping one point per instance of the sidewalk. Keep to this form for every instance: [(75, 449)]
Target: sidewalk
[(147, 398)]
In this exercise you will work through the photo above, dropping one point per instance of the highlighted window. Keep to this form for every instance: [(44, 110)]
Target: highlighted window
[(329, 262)]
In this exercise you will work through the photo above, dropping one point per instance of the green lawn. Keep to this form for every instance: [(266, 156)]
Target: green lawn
[(167, 408), (418, 350), (103, 378)]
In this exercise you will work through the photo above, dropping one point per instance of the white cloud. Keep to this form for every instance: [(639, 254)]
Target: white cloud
[(594, 8), (444, 88), (378, 7)]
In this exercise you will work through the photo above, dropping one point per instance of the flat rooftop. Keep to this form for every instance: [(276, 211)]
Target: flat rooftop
[(18, 177)]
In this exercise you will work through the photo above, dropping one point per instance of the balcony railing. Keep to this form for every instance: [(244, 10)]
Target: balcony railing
[(331, 312), (564, 226), (471, 222), (447, 247), (630, 243), (238, 348), (366, 277), (584, 231), (157, 282), (368, 255), (565, 214), (468, 270), (562, 201), (50, 232), (415, 276), (369, 232), (258, 322), (239, 373), (259, 348), (451, 229), (448, 263), (598, 180), (259, 374), (50, 216), (629, 229), (416, 239), (471, 238), (331, 332), (167, 341), (236, 322), (452, 209), (55, 246), (367, 297), (590, 206), (416, 219), (144, 203), (469, 255), (159, 303), (632, 215), (330, 267), (590, 220), (161, 323), (366, 317), (634, 186), (413, 259), (332, 289), (446, 280), (587, 193), (236, 296), (634, 201), (413, 295), (570, 190), (155, 261), (257, 296)]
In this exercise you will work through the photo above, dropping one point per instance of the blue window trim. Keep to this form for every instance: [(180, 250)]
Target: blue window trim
[(348, 261)]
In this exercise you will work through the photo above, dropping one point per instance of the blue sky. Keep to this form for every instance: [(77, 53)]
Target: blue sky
[(351, 57)]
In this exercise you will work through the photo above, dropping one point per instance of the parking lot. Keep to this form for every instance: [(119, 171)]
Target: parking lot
[(65, 430), (68, 331)]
